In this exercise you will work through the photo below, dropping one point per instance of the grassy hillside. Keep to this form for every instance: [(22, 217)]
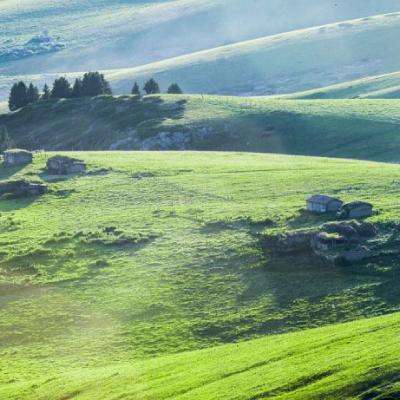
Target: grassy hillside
[(278, 64), (377, 87), (340, 361), (120, 33), (365, 129), (150, 254)]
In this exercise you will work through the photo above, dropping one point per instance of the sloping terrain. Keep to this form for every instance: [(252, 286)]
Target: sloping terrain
[(340, 361), (376, 87), (278, 64), (364, 129), (149, 254), (117, 33)]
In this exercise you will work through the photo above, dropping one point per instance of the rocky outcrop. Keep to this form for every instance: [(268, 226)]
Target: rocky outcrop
[(334, 243), (16, 157), (21, 188), (63, 165)]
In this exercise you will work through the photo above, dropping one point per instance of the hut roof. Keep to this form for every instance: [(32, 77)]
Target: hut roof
[(356, 204), (322, 199)]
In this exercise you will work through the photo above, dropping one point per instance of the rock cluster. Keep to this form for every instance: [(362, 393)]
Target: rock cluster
[(63, 165), (334, 243), (16, 157), (21, 188)]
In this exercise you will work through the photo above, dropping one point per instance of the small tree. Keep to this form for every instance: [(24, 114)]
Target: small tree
[(61, 88), (32, 94), (94, 84), (174, 89), (151, 87), (4, 138), (77, 90), (136, 90), (18, 96), (45, 92)]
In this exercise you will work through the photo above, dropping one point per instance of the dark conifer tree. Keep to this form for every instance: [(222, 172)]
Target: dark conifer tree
[(174, 89), (77, 90), (136, 90), (151, 87), (18, 96), (94, 84), (32, 94), (45, 92), (4, 138), (61, 88)]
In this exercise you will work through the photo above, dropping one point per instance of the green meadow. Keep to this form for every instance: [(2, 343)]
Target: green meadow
[(363, 129), (113, 281)]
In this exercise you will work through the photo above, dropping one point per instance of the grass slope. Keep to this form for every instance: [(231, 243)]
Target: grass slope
[(283, 63), (340, 361), (120, 33), (365, 129), (377, 87), (156, 253)]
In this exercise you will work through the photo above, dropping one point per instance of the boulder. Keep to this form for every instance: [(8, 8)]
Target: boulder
[(17, 157), (63, 165), (21, 188)]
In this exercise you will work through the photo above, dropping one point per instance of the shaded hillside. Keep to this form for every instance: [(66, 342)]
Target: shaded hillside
[(128, 33), (365, 129), (150, 254), (376, 87)]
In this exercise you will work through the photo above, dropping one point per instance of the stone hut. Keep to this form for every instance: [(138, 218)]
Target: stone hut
[(356, 209), (63, 165), (323, 204), (22, 188), (17, 157)]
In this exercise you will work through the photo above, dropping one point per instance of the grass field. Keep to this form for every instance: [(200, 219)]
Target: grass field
[(364, 129), (340, 361), (151, 254)]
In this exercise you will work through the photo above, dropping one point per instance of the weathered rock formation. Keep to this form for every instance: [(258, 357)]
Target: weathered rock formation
[(334, 243), (63, 165), (21, 188), (16, 157)]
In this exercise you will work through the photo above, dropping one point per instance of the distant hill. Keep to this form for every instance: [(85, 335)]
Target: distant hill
[(284, 63), (376, 87), (365, 129), (118, 33)]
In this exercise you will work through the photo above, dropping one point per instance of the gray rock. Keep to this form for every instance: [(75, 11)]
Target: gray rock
[(167, 141)]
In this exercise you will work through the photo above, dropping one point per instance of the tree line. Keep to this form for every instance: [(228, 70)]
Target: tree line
[(90, 85)]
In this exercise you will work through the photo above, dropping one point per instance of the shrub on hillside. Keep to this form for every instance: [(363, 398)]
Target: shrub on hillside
[(151, 87), (18, 96), (136, 90), (32, 94), (94, 84), (61, 88), (46, 92), (174, 89)]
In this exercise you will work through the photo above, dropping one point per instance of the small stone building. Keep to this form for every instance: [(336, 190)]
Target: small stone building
[(17, 157), (356, 209), (63, 165), (323, 204)]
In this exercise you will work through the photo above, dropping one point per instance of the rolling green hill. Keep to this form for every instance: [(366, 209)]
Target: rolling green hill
[(151, 254), (364, 129), (284, 63), (340, 361), (117, 33), (376, 87)]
